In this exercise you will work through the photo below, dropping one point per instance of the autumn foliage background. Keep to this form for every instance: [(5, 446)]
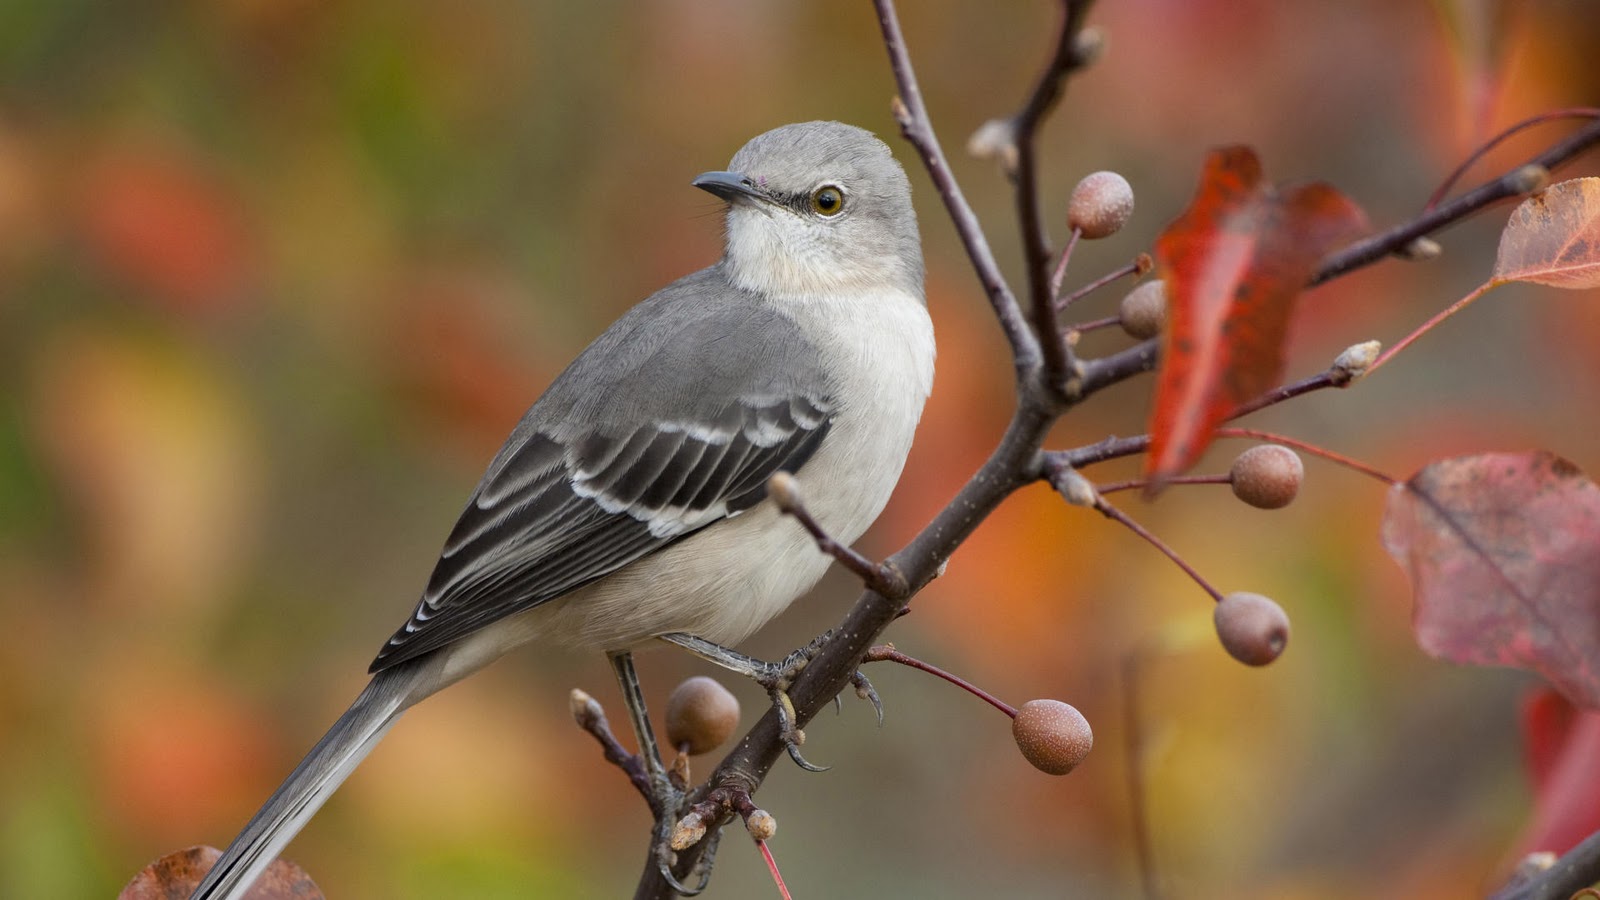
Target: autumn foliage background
[(277, 276)]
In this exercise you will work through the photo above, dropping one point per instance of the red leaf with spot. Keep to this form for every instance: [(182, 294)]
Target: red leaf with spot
[(1233, 264), (1503, 552), (1553, 238)]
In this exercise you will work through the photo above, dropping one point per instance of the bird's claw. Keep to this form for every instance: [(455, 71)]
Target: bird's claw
[(866, 691), (789, 732)]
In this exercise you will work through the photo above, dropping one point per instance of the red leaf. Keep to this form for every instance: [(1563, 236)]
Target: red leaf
[(1553, 238), (1562, 744), (1503, 552), (1233, 264)]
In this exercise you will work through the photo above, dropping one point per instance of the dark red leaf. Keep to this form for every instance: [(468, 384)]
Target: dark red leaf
[(1233, 264), (1503, 552), (1562, 744)]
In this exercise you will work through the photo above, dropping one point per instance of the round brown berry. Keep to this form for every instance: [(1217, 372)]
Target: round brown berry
[(1100, 205), (1143, 310), (701, 714), (1267, 476), (1253, 629), (1052, 735)]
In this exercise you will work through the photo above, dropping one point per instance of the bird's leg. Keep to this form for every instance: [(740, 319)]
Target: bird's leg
[(775, 677), (665, 798), (649, 751)]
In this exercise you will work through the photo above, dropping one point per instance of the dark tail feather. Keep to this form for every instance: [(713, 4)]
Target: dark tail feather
[(295, 801)]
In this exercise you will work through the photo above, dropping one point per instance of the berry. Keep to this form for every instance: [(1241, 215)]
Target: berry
[(1143, 310), (701, 714), (1101, 204), (1253, 629), (1052, 735), (1267, 476)]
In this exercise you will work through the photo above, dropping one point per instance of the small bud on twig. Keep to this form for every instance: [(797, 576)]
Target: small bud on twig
[(1420, 249), (1088, 46), (688, 832), (996, 140), (1076, 489), (1529, 179), (785, 491), (582, 706), (761, 824), (1354, 362)]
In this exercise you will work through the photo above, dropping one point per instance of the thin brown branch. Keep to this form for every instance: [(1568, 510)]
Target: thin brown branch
[(887, 653), (591, 717), (1047, 90), (1368, 251), (1122, 518), (912, 115), (1583, 112), (1138, 266), (1575, 870), (785, 491)]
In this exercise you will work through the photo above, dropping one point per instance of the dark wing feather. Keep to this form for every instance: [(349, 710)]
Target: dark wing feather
[(555, 518), (671, 420)]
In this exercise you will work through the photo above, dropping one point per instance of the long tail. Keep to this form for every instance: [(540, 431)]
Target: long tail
[(295, 801)]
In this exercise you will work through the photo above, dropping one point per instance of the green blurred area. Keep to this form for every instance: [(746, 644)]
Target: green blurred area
[(276, 277)]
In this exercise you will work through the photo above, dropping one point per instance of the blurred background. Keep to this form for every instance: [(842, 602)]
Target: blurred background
[(277, 276)]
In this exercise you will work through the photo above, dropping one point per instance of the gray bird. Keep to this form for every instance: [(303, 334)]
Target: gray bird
[(629, 504)]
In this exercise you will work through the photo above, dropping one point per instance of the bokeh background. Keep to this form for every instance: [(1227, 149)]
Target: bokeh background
[(276, 277)]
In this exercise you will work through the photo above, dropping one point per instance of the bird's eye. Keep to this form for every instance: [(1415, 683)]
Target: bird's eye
[(827, 200)]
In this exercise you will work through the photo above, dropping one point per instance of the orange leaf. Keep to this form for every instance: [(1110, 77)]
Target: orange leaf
[(1233, 264), (1553, 238)]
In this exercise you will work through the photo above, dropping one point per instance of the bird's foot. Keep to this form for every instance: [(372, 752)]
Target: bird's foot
[(776, 678)]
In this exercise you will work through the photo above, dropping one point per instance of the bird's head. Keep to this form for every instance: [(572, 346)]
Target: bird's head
[(818, 207)]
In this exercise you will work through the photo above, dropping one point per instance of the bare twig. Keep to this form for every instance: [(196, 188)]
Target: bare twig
[(1047, 90), (591, 717), (1372, 249), (1354, 465), (1575, 870), (912, 115), (1137, 267), (785, 491), (887, 653), (1582, 112), (1121, 518)]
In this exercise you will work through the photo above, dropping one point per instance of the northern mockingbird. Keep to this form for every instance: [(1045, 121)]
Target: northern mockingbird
[(629, 504)]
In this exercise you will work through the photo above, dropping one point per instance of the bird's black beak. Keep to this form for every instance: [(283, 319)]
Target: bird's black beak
[(730, 186)]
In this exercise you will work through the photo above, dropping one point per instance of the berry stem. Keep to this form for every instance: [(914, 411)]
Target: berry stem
[(1059, 273), (1137, 266), (1432, 323), (772, 866), (887, 653), (1313, 449), (1093, 325), (1112, 487), (1111, 512)]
